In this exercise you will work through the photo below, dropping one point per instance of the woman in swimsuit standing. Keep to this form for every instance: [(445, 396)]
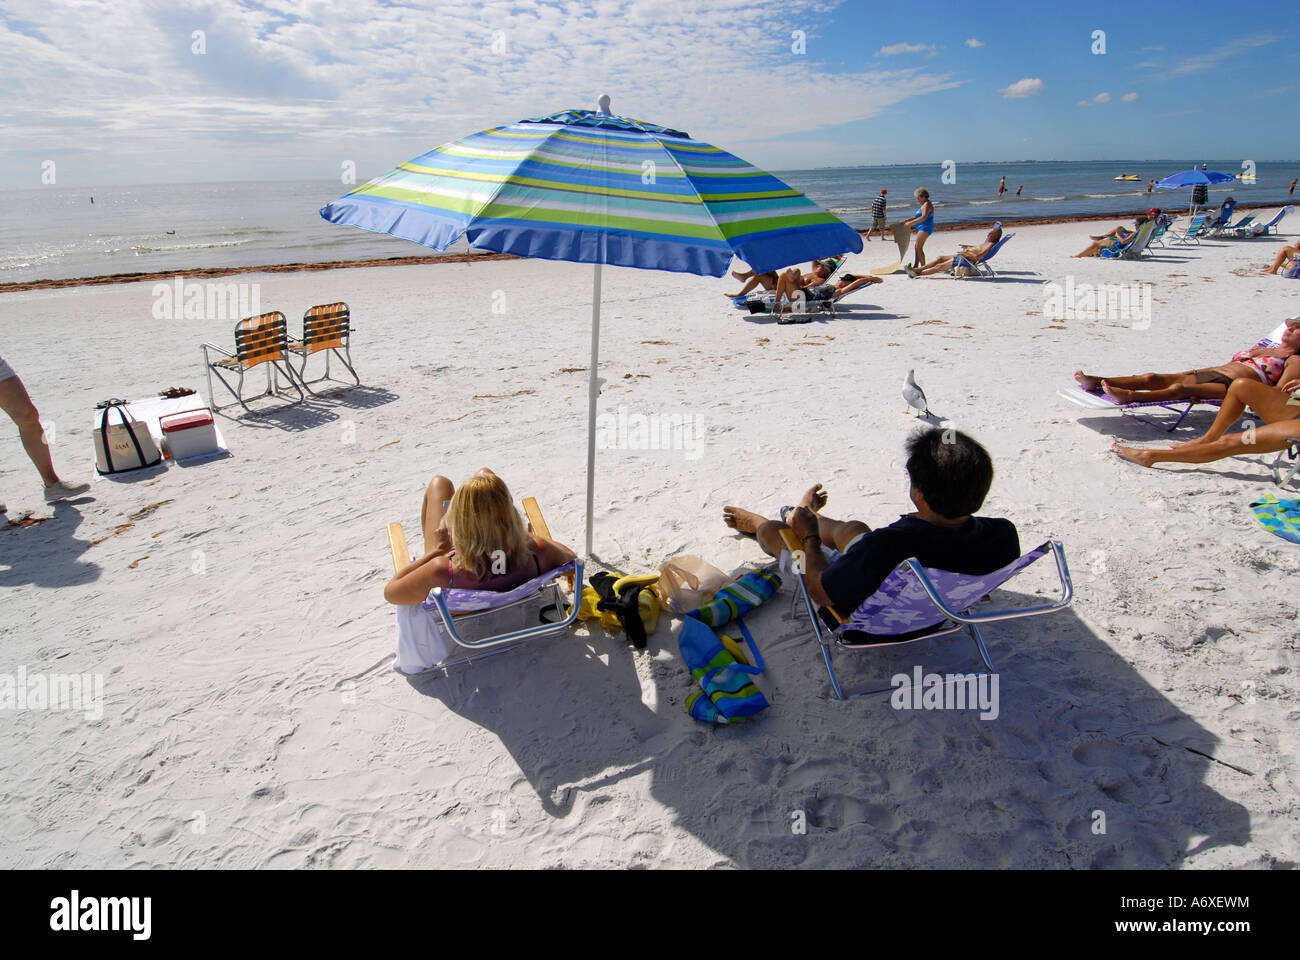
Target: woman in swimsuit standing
[(922, 224), (1266, 364), (475, 540)]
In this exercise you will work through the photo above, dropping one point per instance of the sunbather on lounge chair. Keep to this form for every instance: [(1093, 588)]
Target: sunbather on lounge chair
[(476, 540), (1211, 383), (1277, 406), (845, 561), (1111, 241), (972, 253), (1289, 252), (794, 279)]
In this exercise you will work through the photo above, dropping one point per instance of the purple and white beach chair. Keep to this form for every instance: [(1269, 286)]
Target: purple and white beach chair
[(425, 629), (920, 603)]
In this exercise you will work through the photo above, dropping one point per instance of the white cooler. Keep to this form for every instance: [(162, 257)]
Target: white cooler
[(189, 433)]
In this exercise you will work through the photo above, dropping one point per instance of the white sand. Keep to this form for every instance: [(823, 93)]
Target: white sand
[(251, 718)]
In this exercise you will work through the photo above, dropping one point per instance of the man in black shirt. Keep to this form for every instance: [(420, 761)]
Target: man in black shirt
[(844, 561)]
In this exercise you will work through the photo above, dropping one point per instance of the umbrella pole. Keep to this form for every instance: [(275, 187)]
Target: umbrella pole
[(593, 390)]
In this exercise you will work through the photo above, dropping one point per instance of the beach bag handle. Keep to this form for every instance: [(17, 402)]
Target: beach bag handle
[(103, 435)]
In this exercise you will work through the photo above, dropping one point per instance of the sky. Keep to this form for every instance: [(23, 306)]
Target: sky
[(176, 91)]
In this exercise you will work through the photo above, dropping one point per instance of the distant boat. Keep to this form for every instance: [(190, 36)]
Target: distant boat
[(1128, 177), (1245, 178)]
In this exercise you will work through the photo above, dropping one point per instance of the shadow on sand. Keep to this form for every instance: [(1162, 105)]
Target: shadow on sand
[(1080, 738)]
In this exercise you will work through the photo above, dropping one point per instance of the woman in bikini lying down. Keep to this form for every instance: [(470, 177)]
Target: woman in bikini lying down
[(1277, 406), (475, 540), (1264, 364)]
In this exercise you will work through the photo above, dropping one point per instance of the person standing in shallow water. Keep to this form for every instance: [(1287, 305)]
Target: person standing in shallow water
[(1150, 185), (1002, 187)]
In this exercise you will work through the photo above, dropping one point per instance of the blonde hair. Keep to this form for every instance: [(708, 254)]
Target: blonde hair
[(922, 193), (482, 519)]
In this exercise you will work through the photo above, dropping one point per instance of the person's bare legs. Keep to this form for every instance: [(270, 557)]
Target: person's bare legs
[(1138, 381), (788, 282), (436, 495), (836, 534), (15, 402), (1189, 389), (933, 267), (1270, 438), (1269, 402), (918, 260), (766, 280), (1285, 254)]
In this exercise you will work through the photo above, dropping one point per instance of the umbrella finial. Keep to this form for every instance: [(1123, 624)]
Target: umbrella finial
[(603, 104)]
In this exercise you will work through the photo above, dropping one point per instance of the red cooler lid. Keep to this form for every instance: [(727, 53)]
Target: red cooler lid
[(185, 420)]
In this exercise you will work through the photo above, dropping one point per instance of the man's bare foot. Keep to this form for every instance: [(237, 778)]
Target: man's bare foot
[(733, 296), (742, 521), (1088, 383), (814, 498), (1120, 394), (1142, 458), (741, 275)]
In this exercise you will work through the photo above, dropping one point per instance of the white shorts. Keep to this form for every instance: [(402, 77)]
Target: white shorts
[(6, 371), (830, 554)]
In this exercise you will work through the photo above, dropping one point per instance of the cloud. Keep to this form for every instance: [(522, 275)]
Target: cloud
[(1027, 87), (1146, 65), (1084, 103), (291, 88), (1101, 98), (1208, 61), (895, 49), (1129, 97), (973, 43)]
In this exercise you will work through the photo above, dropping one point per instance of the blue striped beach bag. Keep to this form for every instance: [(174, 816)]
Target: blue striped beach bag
[(720, 664)]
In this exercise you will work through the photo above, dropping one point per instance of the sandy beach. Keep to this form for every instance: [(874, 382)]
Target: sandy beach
[(234, 608)]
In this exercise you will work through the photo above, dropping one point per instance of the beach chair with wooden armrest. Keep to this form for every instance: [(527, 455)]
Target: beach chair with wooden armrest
[(258, 340), (1195, 230), (423, 629), (980, 266), (327, 327), (918, 603)]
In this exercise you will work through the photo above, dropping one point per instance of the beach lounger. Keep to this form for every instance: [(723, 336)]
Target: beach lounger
[(980, 266), (258, 340), (1104, 401), (423, 629), (1271, 226), (1239, 229), (1162, 227), (921, 603), (325, 327), (1136, 244), (1195, 230)]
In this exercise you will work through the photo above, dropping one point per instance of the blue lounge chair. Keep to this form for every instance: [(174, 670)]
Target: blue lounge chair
[(980, 266), (1162, 227), (919, 603), (1239, 229)]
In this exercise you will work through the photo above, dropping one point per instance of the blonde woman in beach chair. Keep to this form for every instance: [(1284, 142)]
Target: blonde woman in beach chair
[(259, 340), (479, 560), (328, 328)]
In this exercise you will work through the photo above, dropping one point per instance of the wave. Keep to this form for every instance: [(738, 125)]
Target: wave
[(172, 248)]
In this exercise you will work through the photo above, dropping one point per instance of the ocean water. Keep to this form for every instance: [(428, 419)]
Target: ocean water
[(57, 233)]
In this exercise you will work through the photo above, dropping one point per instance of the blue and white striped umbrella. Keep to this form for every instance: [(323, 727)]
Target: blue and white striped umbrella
[(590, 187)]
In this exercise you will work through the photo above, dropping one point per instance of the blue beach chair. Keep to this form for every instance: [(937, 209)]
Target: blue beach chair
[(980, 266)]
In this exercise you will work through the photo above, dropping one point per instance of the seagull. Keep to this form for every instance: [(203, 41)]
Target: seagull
[(914, 395)]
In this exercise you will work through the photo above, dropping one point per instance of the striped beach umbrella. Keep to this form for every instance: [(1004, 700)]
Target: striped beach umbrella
[(591, 187)]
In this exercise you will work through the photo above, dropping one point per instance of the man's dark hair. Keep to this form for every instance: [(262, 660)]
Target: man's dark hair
[(951, 470)]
